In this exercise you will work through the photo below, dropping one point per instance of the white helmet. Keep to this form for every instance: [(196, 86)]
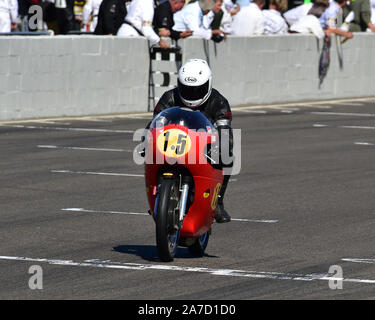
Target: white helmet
[(194, 82)]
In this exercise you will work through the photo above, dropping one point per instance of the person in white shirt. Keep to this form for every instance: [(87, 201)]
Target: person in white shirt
[(196, 18), (273, 20), (229, 5), (372, 4), (229, 9), (293, 15), (138, 22), (8, 14), (90, 8), (310, 23), (332, 19), (249, 21), (331, 16), (209, 17), (243, 3)]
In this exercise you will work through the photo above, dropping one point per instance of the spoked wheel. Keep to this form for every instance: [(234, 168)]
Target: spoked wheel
[(199, 245), (167, 224)]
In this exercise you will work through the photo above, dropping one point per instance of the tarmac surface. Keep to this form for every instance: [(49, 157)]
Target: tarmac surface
[(73, 202)]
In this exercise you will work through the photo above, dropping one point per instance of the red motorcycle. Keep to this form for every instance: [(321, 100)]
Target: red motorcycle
[(182, 180)]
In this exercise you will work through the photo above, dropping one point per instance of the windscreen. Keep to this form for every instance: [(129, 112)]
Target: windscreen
[(185, 117)]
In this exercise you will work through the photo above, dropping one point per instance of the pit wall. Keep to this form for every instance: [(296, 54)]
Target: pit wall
[(73, 75)]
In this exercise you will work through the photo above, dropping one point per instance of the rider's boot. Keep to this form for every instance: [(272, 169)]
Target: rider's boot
[(221, 215)]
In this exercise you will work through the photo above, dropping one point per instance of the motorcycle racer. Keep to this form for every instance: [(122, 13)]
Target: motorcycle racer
[(194, 90)]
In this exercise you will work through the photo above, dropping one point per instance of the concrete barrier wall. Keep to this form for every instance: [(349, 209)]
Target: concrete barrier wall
[(285, 68), (45, 77)]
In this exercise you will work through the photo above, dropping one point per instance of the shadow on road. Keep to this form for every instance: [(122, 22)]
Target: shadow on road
[(150, 253)]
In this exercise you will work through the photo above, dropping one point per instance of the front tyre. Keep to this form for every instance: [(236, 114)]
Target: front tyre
[(199, 246), (167, 230)]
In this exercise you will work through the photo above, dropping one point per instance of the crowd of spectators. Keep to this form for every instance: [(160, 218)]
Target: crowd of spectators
[(177, 19)]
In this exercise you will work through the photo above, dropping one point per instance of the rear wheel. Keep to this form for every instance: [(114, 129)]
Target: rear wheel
[(199, 245), (167, 224)]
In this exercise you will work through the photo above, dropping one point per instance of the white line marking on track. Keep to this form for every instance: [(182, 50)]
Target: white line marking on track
[(70, 129), (108, 212), (106, 173), (98, 173), (256, 220), (319, 125), (53, 122), (96, 120), (309, 104), (146, 214), (253, 111), (369, 261), (349, 114), (349, 104), (85, 149), (312, 106), (107, 264), (364, 144), (357, 127)]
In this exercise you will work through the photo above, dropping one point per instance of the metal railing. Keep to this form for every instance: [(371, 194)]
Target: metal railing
[(173, 55)]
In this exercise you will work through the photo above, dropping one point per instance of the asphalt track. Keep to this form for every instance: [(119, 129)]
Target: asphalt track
[(73, 202)]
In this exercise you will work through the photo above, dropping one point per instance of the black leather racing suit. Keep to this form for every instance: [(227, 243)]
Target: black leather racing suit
[(216, 109)]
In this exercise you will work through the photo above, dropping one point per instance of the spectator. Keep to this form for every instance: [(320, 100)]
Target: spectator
[(91, 9), (310, 23), (295, 3), (333, 16), (65, 16), (192, 17), (163, 19), (23, 7), (111, 16), (372, 2), (334, 13), (219, 20), (243, 3), (362, 16), (49, 15), (231, 6), (78, 14), (224, 22), (8, 14), (249, 20), (274, 23), (215, 16), (293, 15), (138, 22)]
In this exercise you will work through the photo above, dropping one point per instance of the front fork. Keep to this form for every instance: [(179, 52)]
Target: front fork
[(184, 183), (183, 202)]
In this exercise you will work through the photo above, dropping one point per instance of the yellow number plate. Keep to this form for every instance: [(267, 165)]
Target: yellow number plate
[(174, 143)]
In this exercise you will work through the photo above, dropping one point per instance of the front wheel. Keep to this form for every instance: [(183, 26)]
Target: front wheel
[(199, 245), (167, 226)]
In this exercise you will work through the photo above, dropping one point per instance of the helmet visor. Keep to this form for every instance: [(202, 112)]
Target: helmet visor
[(193, 93)]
